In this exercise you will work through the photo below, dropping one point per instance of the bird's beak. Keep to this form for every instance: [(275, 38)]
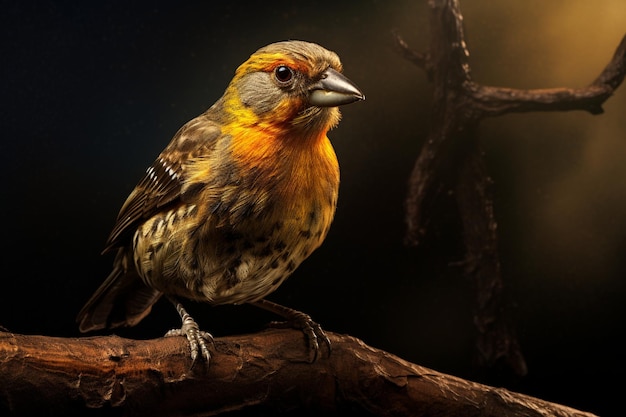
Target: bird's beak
[(334, 89)]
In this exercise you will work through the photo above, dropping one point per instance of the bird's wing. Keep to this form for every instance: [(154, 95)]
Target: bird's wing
[(162, 183)]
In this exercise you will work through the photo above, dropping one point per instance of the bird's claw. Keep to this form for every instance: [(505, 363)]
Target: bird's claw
[(313, 332), (198, 339)]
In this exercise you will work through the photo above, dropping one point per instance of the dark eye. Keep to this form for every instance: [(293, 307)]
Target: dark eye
[(283, 74)]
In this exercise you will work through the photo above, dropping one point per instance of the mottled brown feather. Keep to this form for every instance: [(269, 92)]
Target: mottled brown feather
[(162, 183)]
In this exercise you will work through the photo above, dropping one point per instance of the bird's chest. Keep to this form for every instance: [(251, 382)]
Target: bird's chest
[(282, 228), (291, 225), (249, 233), (290, 198), (275, 249)]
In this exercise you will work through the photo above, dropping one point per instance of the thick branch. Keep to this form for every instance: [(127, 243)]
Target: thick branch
[(459, 105), (450, 163), (264, 373), (496, 340)]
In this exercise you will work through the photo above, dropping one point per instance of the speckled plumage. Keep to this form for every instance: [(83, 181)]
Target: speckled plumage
[(239, 198)]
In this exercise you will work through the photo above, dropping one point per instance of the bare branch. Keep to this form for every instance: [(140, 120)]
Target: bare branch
[(614, 72), (258, 373), (452, 145), (417, 58), (495, 101)]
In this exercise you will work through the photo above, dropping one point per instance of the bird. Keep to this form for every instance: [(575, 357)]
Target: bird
[(240, 196)]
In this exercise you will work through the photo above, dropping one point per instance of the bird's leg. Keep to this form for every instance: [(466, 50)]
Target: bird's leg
[(197, 338), (299, 320)]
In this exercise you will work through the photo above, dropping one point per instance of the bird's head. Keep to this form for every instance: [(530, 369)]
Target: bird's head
[(291, 85)]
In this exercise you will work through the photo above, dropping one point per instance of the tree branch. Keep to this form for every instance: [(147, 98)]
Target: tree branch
[(450, 163), (494, 101), (460, 104), (263, 373)]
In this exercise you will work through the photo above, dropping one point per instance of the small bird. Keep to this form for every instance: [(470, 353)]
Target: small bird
[(237, 200)]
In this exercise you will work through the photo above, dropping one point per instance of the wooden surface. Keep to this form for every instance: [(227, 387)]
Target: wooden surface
[(257, 374)]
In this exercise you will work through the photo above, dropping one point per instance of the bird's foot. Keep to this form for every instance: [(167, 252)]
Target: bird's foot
[(198, 339), (298, 320)]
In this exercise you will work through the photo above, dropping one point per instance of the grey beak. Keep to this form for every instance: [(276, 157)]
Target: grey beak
[(334, 89)]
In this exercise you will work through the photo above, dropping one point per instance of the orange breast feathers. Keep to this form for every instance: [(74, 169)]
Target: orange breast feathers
[(297, 171)]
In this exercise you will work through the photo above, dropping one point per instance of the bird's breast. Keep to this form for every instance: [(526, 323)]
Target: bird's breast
[(289, 195), (243, 238)]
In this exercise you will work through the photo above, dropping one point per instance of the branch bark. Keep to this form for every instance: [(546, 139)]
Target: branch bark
[(257, 374), (451, 163)]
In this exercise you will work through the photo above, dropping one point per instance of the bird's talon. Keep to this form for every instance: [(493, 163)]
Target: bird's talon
[(321, 334), (197, 338), (312, 331), (198, 342)]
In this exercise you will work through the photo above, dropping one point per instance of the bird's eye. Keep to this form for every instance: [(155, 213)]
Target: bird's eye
[(283, 74)]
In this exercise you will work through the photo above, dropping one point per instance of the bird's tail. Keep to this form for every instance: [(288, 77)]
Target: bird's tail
[(122, 300)]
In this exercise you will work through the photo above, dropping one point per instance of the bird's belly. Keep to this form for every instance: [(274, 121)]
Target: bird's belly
[(260, 263), (226, 264)]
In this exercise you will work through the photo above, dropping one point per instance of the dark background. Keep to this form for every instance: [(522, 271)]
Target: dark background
[(91, 93)]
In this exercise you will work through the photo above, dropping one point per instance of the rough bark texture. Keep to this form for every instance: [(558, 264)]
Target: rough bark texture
[(258, 374), (451, 163)]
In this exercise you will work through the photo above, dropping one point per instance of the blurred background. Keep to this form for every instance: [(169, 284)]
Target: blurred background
[(90, 93)]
